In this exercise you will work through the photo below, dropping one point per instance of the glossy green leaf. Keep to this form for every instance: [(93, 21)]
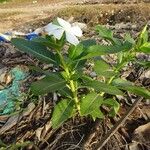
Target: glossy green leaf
[(35, 49), (107, 34), (114, 106), (128, 86), (65, 92), (75, 51), (104, 32), (98, 50), (101, 87), (90, 105), (48, 84), (88, 42), (145, 48), (62, 111), (129, 38), (143, 38), (103, 69)]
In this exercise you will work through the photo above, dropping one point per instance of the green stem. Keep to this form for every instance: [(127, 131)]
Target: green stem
[(116, 70), (72, 84)]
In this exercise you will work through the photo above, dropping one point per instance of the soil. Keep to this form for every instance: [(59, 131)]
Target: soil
[(34, 124)]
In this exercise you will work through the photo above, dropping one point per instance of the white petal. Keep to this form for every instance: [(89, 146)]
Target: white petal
[(58, 33), (64, 23), (76, 31), (50, 27), (72, 39)]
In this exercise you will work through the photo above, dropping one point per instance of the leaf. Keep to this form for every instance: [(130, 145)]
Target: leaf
[(101, 87), (114, 106), (38, 69), (65, 92), (75, 51), (62, 111), (104, 32), (34, 48), (144, 63), (128, 86), (103, 69), (48, 84), (145, 48), (96, 113), (88, 42), (143, 38), (107, 34), (129, 38), (90, 105), (46, 42), (98, 50)]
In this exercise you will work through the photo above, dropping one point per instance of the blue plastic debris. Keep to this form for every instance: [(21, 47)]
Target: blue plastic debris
[(5, 37), (31, 36), (13, 91)]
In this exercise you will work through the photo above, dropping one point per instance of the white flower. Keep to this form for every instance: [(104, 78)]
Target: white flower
[(71, 32)]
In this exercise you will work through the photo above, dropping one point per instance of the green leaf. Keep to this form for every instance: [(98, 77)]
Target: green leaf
[(103, 69), (98, 50), (34, 48), (104, 32), (129, 38), (143, 63), (128, 86), (75, 51), (114, 106), (145, 48), (101, 87), (48, 84), (88, 42), (38, 69), (65, 92), (107, 34), (143, 38), (62, 111), (90, 105)]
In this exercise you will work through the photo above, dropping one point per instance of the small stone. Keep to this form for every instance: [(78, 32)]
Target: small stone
[(93, 74)]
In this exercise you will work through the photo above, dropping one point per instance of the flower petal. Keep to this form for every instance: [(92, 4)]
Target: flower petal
[(64, 23), (72, 39), (58, 33), (76, 31), (51, 27)]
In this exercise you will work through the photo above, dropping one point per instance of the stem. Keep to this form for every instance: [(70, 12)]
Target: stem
[(72, 84)]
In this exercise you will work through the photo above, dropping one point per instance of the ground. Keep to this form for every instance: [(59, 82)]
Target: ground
[(14, 15)]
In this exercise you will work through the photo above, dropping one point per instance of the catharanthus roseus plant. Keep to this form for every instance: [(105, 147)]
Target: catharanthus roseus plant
[(80, 92)]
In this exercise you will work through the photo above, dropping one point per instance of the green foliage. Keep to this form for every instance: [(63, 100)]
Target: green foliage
[(62, 111), (50, 83), (71, 77)]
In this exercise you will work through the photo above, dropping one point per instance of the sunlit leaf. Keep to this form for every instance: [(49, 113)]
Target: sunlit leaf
[(62, 111), (114, 106), (126, 85), (101, 87), (145, 48), (103, 69), (143, 38), (90, 104), (98, 50)]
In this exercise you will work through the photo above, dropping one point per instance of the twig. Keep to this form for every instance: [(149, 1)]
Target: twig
[(118, 125), (114, 129)]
